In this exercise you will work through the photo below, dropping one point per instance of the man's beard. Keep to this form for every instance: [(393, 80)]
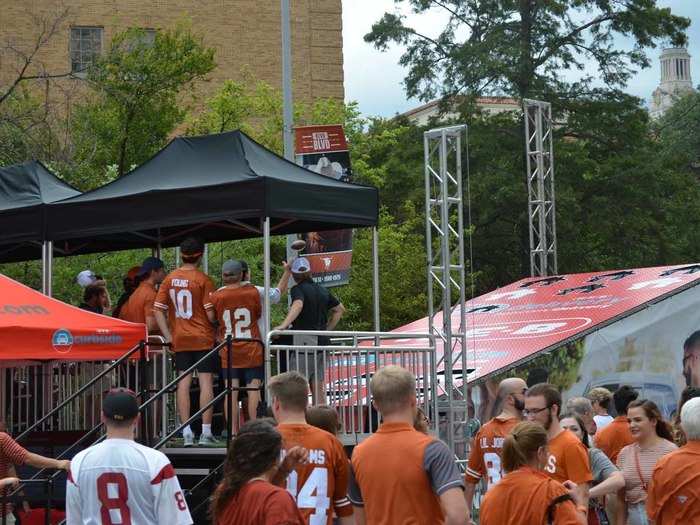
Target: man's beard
[(518, 404)]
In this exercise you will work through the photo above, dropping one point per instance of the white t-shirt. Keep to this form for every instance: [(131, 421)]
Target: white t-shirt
[(602, 421), (119, 482)]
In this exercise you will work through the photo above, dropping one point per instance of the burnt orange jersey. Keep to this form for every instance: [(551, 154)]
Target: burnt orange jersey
[(674, 491), (238, 310), (186, 292), (320, 486), (523, 496), (485, 454), (568, 459), (614, 437), (140, 304)]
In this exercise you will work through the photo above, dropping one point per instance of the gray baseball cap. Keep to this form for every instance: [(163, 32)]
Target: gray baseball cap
[(232, 267)]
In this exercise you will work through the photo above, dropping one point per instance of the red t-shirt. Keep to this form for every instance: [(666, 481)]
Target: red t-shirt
[(261, 503)]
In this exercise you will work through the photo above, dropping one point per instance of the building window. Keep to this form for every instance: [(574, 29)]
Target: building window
[(85, 46), (147, 38)]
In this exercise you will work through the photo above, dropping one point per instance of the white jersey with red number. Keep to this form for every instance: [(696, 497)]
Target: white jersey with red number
[(119, 482)]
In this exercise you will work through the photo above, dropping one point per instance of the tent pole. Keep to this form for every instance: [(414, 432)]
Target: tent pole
[(205, 259), (46, 267), (375, 277), (266, 301)]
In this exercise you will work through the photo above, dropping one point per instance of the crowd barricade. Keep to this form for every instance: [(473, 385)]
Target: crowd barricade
[(346, 361), (29, 390)]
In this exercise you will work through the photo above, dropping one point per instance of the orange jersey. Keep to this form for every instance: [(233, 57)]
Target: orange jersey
[(568, 459), (187, 292), (523, 496), (485, 454), (238, 310), (140, 305), (674, 492), (614, 437), (320, 486)]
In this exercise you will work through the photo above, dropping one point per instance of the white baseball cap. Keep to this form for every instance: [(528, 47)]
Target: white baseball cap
[(301, 265), (86, 278)]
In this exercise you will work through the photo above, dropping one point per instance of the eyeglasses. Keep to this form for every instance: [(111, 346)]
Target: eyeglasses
[(534, 411)]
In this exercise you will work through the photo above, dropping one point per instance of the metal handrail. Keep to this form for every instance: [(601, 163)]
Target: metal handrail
[(140, 346)]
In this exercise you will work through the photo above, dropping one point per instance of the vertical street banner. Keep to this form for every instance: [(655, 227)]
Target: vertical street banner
[(323, 149)]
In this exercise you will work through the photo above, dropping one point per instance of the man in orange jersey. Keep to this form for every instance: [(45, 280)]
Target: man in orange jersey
[(674, 491), (319, 486), (485, 453), (400, 475), (616, 435), (139, 307), (237, 309), (568, 456), (187, 290)]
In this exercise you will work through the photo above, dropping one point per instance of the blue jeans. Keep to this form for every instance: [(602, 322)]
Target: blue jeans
[(637, 514)]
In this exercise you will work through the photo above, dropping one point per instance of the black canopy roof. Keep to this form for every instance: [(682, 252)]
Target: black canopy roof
[(217, 187), (25, 189)]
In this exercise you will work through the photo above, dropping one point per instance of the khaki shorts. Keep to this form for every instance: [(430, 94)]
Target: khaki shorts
[(309, 363)]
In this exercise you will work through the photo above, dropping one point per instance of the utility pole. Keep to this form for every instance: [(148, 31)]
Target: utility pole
[(288, 104)]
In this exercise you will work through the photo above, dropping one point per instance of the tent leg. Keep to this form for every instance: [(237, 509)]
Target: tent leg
[(266, 299), (205, 259), (46, 267), (375, 277), (157, 251)]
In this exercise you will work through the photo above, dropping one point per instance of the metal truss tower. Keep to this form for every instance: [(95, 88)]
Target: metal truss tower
[(444, 232), (540, 184)]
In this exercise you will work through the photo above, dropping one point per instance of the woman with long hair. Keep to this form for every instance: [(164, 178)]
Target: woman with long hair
[(527, 495), (653, 439), (246, 494), (606, 478)]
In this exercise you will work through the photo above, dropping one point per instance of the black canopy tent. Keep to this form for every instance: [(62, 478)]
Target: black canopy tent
[(25, 190), (218, 187)]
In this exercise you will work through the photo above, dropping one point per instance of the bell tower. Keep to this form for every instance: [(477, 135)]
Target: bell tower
[(675, 80)]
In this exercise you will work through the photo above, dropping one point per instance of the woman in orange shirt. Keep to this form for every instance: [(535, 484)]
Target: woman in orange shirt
[(526, 495), (246, 494)]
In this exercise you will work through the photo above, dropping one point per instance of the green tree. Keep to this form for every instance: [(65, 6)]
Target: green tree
[(138, 96), (521, 48), (679, 133)]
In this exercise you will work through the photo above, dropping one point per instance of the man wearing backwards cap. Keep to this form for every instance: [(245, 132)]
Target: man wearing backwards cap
[(139, 307), (237, 308), (309, 311), (120, 481), (185, 292)]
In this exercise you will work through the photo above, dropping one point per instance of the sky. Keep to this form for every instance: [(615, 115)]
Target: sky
[(374, 78)]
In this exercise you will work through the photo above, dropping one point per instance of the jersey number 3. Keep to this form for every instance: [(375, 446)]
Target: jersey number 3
[(313, 495)]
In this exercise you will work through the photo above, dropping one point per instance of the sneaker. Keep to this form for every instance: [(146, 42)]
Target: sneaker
[(188, 440), (207, 440)]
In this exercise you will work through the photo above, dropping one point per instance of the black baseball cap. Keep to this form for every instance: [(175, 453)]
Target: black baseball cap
[(150, 263), (120, 404)]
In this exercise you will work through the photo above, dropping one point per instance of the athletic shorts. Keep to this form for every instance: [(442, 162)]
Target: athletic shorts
[(185, 359), (245, 376)]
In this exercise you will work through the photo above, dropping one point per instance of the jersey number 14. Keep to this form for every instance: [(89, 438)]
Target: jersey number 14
[(313, 495)]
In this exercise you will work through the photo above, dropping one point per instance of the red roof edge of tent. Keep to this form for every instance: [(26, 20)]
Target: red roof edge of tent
[(513, 324), (34, 327)]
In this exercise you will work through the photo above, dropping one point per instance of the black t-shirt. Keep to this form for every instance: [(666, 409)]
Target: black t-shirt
[(317, 301), (95, 309)]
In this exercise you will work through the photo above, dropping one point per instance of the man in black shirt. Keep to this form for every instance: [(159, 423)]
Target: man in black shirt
[(94, 299), (311, 304)]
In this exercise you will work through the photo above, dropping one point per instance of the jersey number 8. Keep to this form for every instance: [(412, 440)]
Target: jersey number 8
[(313, 495)]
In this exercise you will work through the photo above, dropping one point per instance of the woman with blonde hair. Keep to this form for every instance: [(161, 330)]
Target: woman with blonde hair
[(527, 495), (653, 439)]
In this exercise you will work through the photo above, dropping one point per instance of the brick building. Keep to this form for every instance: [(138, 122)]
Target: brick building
[(244, 33)]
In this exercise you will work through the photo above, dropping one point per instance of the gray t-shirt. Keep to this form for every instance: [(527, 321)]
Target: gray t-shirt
[(439, 465), (601, 466)]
